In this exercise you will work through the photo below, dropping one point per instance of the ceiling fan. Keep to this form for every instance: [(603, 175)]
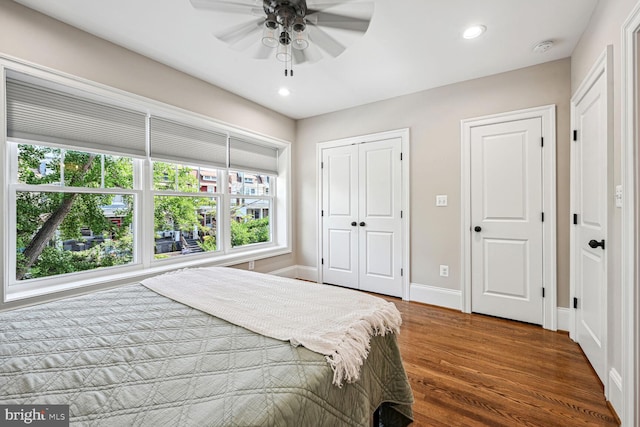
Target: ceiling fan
[(294, 30)]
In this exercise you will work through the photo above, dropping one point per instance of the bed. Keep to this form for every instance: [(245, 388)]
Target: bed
[(130, 356)]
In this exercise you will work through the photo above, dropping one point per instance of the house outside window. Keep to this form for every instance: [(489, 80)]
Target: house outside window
[(69, 213)]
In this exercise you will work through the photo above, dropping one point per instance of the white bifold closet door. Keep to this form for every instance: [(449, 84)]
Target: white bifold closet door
[(361, 216)]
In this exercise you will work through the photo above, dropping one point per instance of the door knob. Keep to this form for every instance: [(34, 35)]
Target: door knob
[(477, 229), (362, 224), (353, 224), (594, 244)]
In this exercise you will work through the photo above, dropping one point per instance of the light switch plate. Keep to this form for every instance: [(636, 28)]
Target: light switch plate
[(618, 196), (441, 200)]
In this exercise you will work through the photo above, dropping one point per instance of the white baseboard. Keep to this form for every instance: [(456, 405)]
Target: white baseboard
[(442, 297), (614, 391), (564, 319), (307, 273), (298, 272), (433, 295), (290, 272)]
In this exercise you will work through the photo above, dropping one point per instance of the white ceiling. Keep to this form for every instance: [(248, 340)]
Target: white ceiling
[(411, 45)]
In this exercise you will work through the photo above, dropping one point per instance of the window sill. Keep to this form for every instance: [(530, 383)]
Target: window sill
[(20, 294)]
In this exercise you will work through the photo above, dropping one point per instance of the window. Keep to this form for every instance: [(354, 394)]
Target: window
[(67, 220), (185, 223), (93, 186), (249, 217)]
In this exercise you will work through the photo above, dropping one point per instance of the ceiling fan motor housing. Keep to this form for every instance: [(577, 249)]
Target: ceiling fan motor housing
[(287, 12)]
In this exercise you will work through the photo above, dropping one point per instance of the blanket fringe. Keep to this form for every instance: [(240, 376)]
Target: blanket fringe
[(351, 353)]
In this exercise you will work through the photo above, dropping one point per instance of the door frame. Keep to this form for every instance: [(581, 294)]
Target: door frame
[(404, 135), (602, 67), (630, 91), (547, 114)]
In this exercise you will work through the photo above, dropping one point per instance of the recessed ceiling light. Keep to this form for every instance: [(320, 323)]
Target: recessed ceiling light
[(284, 91), (474, 31)]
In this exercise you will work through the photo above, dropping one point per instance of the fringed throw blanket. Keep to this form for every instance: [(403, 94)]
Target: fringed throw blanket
[(333, 321)]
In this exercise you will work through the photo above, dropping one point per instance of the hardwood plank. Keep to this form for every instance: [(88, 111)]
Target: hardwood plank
[(475, 370)]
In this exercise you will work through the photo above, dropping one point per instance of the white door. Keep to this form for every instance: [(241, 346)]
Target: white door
[(340, 216), (590, 153), (361, 214), (380, 225), (506, 220)]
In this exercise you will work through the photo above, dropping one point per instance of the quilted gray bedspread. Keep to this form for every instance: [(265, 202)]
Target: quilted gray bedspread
[(129, 356)]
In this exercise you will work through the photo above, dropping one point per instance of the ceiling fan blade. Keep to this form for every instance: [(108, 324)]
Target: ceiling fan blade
[(263, 52), (299, 56), (335, 20), (318, 5), (240, 32), (311, 54), (324, 41), (228, 6)]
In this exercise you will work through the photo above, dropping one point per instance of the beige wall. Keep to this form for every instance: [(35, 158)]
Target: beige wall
[(433, 117), (605, 28), (30, 36)]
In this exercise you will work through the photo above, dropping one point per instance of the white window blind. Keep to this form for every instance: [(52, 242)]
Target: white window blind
[(179, 143), (46, 115), (251, 156)]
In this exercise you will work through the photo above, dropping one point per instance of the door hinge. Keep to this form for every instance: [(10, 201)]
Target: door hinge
[(402, 272), (542, 141), (322, 261), (400, 214), (400, 156), (542, 292), (542, 216), (321, 165), (575, 219), (575, 135), (575, 302), (322, 212)]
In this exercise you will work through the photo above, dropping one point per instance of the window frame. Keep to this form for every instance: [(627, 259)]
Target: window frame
[(196, 194), (57, 282), (272, 197), (16, 293)]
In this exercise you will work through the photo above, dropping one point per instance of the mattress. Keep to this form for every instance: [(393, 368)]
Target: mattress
[(129, 356)]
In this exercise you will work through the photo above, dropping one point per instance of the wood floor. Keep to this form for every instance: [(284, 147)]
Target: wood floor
[(474, 370)]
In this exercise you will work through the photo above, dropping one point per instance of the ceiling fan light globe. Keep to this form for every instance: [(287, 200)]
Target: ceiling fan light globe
[(300, 40), (300, 44), (269, 37), (284, 53), (269, 42), (283, 56)]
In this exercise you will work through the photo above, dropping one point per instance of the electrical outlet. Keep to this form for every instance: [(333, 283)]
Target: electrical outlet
[(444, 270), (252, 265), (441, 200)]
